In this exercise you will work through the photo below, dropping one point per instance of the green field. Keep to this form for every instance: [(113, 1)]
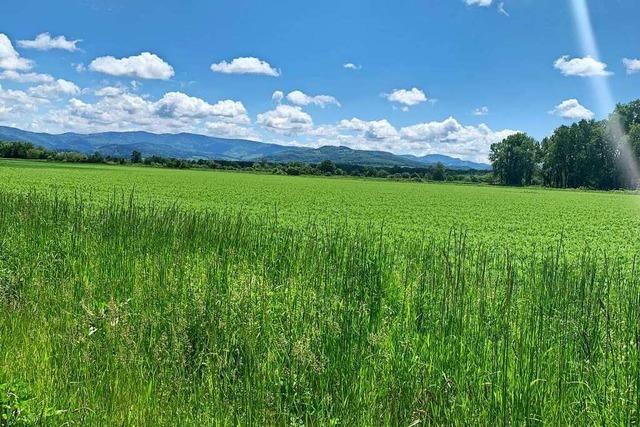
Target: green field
[(195, 304), (500, 216)]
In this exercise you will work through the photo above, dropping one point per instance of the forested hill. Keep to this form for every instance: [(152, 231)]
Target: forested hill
[(192, 146)]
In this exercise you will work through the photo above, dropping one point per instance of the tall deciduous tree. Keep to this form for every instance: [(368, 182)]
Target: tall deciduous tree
[(136, 157), (581, 155), (634, 139), (514, 159), (628, 114)]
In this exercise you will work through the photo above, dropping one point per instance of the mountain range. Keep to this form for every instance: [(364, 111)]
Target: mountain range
[(194, 146)]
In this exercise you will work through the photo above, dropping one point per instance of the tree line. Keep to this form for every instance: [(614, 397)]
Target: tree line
[(437, 172), (587, 154)]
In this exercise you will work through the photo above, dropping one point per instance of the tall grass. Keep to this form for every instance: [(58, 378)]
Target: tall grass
[(128, 314)]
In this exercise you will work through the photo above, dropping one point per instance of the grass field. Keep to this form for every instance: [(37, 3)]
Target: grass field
[(133, 313), (499, 216)]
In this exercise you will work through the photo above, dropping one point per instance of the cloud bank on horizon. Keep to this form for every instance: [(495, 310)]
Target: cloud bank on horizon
[(142, 88)]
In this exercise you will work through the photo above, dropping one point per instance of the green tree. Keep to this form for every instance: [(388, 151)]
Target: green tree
[(439, 173), (634, 139), (327, 167), (136, 157), (514, 159), (624, 132), (581, 155), (96, 157), (628, 114)]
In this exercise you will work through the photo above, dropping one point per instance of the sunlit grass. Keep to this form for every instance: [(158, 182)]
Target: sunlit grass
[(520, 218), (126, 313)]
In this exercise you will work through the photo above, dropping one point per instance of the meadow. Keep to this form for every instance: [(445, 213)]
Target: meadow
[(237, 299), (520, 218)]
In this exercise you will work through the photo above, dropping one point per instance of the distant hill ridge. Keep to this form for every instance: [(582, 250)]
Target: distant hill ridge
[(194, 146)]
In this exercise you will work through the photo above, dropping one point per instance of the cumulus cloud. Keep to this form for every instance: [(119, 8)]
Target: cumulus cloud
[(482, 111), (277, 96), (408, 98), (144, 66), (449, 136), (432, 130), (632, 65), (245, 65), (117, 109), (125, 112), (302, 99), (352, 66), (230, 130), (9, 58), (25, 77), (109, 91), (17, 101), (44, 41), (55, 89), (180, 105), (481, 3), (286, 119), (442, 137), (375, 130), (582, 67), (572, 110)]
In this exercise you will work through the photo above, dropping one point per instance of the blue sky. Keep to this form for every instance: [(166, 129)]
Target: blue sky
[(429, 76)]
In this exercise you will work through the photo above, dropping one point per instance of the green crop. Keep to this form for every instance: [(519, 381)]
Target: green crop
[(128, 312), (519, 218)]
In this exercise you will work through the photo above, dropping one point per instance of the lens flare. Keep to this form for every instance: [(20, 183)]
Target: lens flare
[(602, 90)]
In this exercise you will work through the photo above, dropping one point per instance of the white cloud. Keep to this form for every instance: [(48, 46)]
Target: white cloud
[(286, 119), (375, 130), (632, 65), (482, 3), (352, 66), (112, 110), (122, 112), (583, 67), (144, 66), (354, 124), (300, 98), (482, 111), (230, 130), (25, 77), (502, 10), (245, 65), (444, 137), (179, 105), (116, 109), (44, 41), (9, 58), (109, 91), (406, 97), (55, 89), (572, 110), (450, 137), (277, 96), (17, 101), (432, 130)]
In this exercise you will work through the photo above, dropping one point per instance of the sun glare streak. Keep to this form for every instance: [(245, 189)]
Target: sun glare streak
[(590, 47), (601, 88)]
